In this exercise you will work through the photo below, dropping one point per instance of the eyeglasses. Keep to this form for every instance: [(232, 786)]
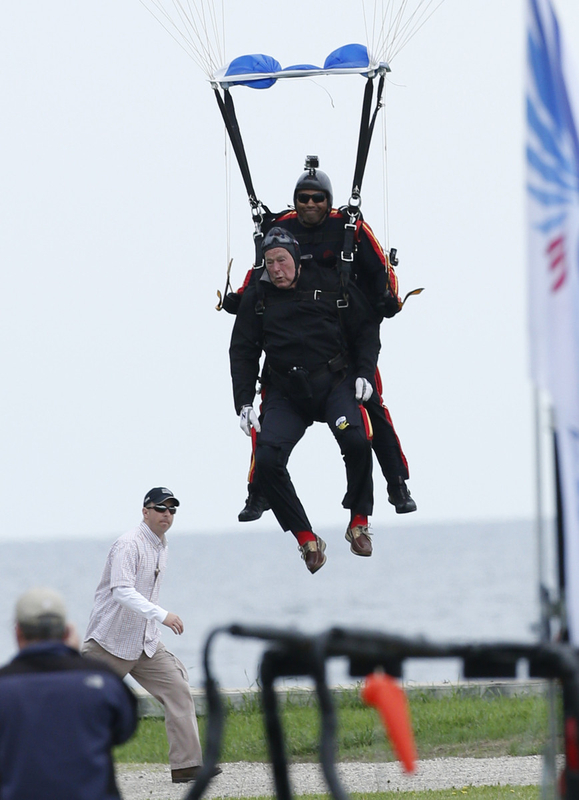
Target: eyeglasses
[(160, 509), (317, 197)]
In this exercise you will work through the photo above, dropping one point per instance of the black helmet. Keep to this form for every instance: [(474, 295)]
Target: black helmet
[(314, 178), (279, 237)]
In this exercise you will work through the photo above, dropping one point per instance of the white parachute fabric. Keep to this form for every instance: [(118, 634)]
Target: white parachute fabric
[(198, 26)]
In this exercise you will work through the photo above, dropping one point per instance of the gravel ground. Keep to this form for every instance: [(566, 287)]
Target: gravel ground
[(146, 781)]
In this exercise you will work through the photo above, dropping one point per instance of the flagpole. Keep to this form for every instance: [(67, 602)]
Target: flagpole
[(549, 778), (544, 616)]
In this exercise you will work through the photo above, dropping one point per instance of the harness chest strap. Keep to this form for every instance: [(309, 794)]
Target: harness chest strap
[(297, 296)]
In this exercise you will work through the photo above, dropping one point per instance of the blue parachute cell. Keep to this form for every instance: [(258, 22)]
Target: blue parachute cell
[(255, 64), (300, 66), (348, 56)]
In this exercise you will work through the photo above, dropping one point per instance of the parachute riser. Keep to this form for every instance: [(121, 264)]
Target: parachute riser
[(367, 123), (258, 211), (258, 214), (347, 254), (227, 109)]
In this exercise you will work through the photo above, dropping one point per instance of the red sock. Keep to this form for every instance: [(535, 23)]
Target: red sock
[(304, 536), (359, 519)]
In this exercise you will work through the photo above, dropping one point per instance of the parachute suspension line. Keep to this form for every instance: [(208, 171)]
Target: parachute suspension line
[(227, 164), (223, 41), (227, 161), (385, 184), (407, 29), (164, 19), (195, 26), (226, 151), (217, 49), (229, 259), (370, 38), (393, 23), (381, 29), (391, 29)]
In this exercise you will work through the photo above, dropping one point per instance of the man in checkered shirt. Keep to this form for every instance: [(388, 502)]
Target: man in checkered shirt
[(123, 630)]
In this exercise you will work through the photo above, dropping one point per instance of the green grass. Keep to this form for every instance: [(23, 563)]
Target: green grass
[(456, 725), (468, 793)]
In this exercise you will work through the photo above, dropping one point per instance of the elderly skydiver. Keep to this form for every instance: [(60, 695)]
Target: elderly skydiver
[(321, 354), (319, 230)]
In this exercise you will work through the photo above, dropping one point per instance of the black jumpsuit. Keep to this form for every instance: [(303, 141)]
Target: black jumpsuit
[(373, 277), (315, 351)]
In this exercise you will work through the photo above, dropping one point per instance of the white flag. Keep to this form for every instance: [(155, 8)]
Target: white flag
[(553, 239)]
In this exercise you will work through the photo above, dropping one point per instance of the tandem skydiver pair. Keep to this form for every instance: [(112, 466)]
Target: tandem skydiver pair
[(335, 303)]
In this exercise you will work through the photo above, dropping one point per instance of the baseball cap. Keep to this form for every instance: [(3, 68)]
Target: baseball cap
[(159, 495), (40, 605)]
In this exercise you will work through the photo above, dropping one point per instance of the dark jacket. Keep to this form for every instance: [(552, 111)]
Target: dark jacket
[(60, 715), (302, 327)]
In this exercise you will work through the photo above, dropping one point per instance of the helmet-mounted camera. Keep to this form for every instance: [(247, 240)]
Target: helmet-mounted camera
[(312, 163), (314, 179)]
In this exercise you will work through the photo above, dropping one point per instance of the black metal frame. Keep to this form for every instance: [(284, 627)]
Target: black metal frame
[(291, 653)]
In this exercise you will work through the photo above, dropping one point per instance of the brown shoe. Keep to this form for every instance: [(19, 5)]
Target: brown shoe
[(313, 554), (359, 538), (188, 774)]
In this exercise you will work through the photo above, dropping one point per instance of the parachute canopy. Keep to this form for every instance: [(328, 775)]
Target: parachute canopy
[(198, 26), (261, 71)]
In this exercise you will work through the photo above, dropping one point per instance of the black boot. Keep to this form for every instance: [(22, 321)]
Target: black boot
[(254, 507), (399, 496)]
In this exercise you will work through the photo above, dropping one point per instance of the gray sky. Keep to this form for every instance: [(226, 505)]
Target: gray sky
[(113, 243)]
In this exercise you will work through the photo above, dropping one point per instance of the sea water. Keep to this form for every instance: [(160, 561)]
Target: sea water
[(472, 582)]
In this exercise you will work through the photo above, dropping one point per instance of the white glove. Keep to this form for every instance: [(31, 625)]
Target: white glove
[(363, 390), (248, 420)]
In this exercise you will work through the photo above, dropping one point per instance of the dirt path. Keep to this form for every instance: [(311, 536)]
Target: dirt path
[(153, 782)]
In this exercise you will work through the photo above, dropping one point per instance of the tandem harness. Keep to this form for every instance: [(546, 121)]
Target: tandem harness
[(295, 296), (296, 381)]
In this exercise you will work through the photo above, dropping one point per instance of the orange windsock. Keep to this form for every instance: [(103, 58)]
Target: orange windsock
[(383, 693)]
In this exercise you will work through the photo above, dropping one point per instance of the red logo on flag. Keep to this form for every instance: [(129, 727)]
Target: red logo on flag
[(557, 262)]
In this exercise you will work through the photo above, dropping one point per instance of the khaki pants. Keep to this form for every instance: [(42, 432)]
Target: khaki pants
[(164, 677)]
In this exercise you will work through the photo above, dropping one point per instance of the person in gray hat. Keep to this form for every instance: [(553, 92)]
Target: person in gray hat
[(123, 630), (60, 714)]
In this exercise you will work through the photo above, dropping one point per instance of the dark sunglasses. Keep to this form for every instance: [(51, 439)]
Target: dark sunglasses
[(318, 197), (160, 509)]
